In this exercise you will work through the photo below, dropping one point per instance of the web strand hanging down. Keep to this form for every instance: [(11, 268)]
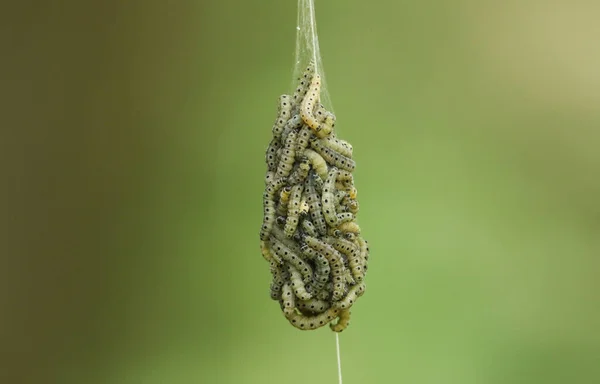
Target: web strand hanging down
[(339, 359)]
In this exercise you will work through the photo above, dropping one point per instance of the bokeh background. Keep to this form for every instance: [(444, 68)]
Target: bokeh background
[(133, 137)]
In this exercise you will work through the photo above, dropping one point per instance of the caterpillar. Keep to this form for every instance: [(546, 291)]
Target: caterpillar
[(304, 136), (304, 322), (364, 253), (278, 233), (269, 207), (265, 249), (352, 192), (293, 258), (325, 121), (287, 300), (312, 306), (325, 293), (298, 284), (279, 278), (344, 175), (300, 172), (300, 91), (313, 322), (335, 262), (309, 228), (303, 205), (271, 155), (294, 210), (292, 124), (318, 183), (328, 199), (354, 255), (349, 236), (339, 196), (348, 277), (353, 206), (337, 145), (354, 293), (284, 197), (332, 157), (351, 227), (315, 207), (282, 115), (287, 156), (269, 177), (345, 217), (364, 248), (326, 126), (343, 321), (300, 320), (322, 269), (317, 162)]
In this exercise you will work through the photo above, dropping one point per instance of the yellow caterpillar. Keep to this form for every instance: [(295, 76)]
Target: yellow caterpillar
[(309, 101), (343, 321)]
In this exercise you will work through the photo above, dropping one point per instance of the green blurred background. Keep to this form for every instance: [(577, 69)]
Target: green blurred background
[(133, 137)]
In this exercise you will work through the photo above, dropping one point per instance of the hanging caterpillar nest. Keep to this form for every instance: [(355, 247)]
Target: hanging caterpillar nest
[(309, 235)]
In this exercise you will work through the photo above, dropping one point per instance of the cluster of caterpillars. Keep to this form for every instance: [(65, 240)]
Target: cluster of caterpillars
[(309, 233)]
